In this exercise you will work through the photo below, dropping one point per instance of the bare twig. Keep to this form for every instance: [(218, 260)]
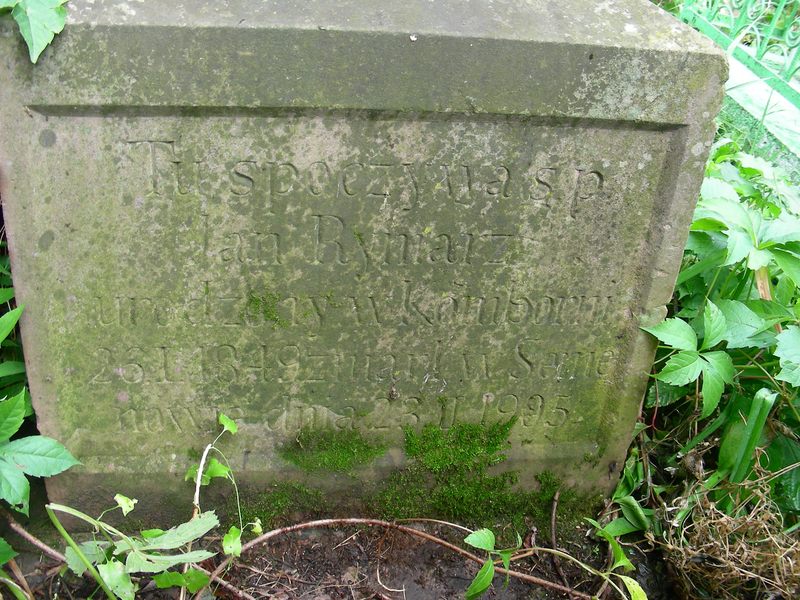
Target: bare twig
[(553, 557), (15, 570), (410, 531), (222, 583), (32, 539)]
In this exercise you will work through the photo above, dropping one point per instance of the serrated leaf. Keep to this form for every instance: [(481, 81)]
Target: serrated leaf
[(8, 321), (232, 542), (482, 538), (713, 188), (676, 333), (741, 322), (12, 414), (125, 503), (482, 581), (94, 551), (38, 455), (6, 552), (714, 326), (39, 21), (183, 534), (227, 423), (717, 371), (14, 487), (789, 344), (114, 574), (789, 263), (140, 562), (664, 394), (738, 247), (790, 373), (633, 587), (682, 368)]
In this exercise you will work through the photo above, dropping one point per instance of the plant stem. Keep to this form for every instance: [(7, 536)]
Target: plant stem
[(87, 563)]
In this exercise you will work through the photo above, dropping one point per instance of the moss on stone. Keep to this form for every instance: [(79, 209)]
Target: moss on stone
[(266, 305), (330, 450), (448, 477), (281, 500)]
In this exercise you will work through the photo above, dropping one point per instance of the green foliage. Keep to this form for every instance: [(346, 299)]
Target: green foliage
[(34, 455), (281, 500), (114, 557), (330, 450), (39, 21)]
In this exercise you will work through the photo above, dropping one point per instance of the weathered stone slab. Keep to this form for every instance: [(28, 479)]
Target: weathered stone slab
[(347, 215)]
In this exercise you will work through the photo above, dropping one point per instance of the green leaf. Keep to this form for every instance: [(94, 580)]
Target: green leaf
[(790, 373), (169, 579), (634, 589), (228, 424), (114, 574), (216, 469), (717, 371), (676, 333), (6, 552), (664, 394), (12, 414), (94, 551), (505, 556), (14, 486), (620, 526), (481, 582), (788, 351), (781, 453), (620, 559), (634, 513), (714, 326), (151, 533), (256, 527), (6, 294), (39, 21), (482, 538), (125, 503), (184, 533), (232, 542), (681, 368), (738, 248), (38, 455), (742, 323), (713, 188), (141, 562), (11, 367), (193, 580), (8, 321)]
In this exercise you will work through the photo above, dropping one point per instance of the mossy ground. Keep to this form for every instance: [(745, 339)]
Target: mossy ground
[(450, 475)]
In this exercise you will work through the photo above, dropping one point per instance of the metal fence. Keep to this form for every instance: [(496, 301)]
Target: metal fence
[(763, 34)]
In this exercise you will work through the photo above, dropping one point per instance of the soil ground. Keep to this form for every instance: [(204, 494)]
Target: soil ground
[(352, 563)]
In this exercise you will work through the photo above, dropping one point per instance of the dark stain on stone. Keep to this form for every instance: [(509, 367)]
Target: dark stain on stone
[(47, 138), (46, 240)]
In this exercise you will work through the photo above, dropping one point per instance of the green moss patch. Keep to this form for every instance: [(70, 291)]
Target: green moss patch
[(330, 450), (282, 500), (448, 476)]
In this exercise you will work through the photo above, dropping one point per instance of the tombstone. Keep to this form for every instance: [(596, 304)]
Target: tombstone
[(346, 216)]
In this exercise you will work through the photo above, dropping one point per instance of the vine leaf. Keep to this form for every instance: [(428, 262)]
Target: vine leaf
[(39, 21)]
